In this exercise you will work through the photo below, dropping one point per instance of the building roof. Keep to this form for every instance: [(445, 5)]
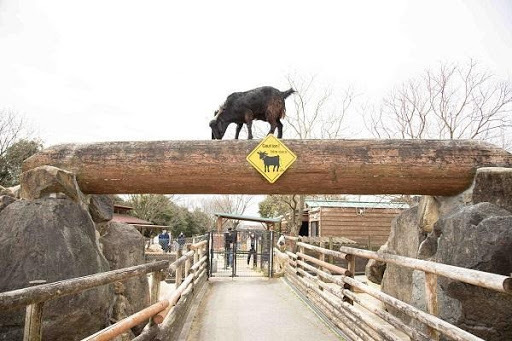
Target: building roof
[(355, 204), (128, 219), (247, 218), (123, 206)]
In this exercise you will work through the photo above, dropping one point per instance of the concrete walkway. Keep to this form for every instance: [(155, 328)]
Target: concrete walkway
[(255, 309)]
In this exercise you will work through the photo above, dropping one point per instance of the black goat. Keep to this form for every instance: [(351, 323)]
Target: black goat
[(269, 161), (265, 104)]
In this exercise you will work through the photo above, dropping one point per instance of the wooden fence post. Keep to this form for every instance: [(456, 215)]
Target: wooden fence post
[(33, 318), (431, 298), (156, 278), (187, 262), (331, 258), (301, 249), (197, 253), (351, 266), (322, 258), (179, 269)]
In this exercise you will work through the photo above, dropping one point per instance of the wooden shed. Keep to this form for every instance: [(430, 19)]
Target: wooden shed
[(367, 223)]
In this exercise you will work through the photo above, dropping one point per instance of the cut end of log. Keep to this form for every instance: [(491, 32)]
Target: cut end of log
[(158, 319), (507, 285)]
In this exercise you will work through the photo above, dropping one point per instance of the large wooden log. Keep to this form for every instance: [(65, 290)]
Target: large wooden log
[(432, 167)]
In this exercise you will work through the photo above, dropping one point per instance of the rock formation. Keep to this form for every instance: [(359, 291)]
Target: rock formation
[(101, 208), (121, 310), (52, 239), (472, 230), (123, 247), (6, 200)]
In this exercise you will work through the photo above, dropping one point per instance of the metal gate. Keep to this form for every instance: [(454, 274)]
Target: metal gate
[(241, 253)]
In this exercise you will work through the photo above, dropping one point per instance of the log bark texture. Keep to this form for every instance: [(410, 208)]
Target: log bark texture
[(429, 167)]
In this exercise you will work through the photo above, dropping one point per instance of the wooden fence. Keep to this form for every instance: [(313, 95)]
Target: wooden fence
[(190, 271), (332, 289)]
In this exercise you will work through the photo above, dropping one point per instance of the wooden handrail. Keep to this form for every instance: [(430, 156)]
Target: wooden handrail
[(321, 250), (199, 263), (479, 278), (22, 297), (391, 319), (331, 267), (180, 261), (316, 288), (198, 245), (129, 322), (159, 310), (174, 297), (41, 293), (432, 321)]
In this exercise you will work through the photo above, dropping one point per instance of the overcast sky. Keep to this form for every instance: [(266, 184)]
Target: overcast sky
[(84, 71)]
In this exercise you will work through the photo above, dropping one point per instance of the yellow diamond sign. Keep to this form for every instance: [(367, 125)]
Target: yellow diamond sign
[(271, 158)]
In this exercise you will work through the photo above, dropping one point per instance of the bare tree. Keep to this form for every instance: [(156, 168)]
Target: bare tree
[(16, 144), (11, 129), (231, 204), (450, 102), (317, 112)]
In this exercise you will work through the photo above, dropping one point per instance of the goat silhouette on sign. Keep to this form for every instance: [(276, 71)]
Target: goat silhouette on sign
[(269, 161)]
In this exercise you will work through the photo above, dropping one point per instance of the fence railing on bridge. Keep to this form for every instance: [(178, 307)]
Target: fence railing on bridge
[(190, 271), (332, 289)]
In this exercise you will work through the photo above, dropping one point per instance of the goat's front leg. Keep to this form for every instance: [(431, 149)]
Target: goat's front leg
[(238, 128), (249, 130)]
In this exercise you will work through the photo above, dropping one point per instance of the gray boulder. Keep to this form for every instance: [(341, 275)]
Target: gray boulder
[(49, 181), (6, 191), (477, 237), (101, 208), (494, 185), (374, 269), (15, 191), (52, 240), (404, 240), (6, 200), (123, 246), (428, 212)]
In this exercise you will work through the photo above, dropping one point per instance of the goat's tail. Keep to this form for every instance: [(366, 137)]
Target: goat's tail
[(287, 93)]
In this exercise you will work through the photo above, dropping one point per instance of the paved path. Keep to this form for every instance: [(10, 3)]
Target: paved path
[(255, 309)]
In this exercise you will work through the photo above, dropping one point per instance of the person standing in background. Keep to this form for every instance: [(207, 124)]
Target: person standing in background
[(228, 248), (281, 243), (163, 240), (181, 241), (251, 244)]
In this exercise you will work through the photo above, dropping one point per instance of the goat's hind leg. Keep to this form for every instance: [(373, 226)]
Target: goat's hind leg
[(249, 130), (238, 128), (279, 129), (272, 128)]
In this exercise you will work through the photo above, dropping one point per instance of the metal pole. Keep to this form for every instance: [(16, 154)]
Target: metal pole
[(208, 259), (233, 253), (271, 255)]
